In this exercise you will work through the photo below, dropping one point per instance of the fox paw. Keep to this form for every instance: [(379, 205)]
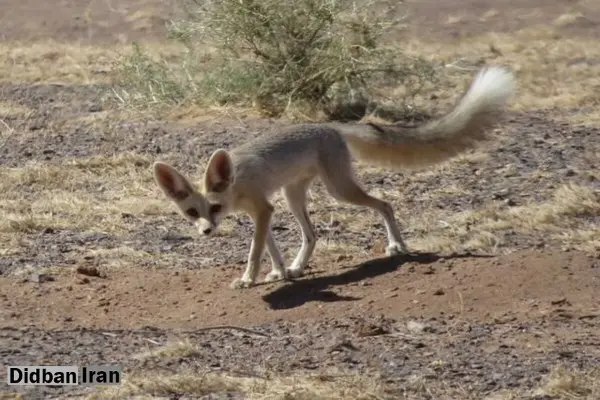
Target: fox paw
[(242, 283), (294, 272), (395, 249), (274, 276)]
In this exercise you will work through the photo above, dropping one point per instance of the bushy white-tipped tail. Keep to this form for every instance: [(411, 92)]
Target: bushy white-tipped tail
[(489, 92), (492, 87), (467, 124)]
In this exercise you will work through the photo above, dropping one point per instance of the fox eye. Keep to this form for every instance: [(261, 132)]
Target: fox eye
[(192, 212), (215, 208)]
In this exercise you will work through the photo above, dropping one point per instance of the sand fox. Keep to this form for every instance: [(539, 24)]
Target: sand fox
[(244, 178)]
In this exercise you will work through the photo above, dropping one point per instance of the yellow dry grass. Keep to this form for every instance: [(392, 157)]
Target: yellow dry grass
[(180, 349), (553, 71), (10, 110), (569, 18), (319, 387), (94, 194), (84, 194), (11, 396), (561, 384), (582, 116), (52, 62), (562, 217), (568, 384), (103, 194)]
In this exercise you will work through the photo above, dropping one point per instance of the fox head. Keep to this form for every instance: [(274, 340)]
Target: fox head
[(205, 208)]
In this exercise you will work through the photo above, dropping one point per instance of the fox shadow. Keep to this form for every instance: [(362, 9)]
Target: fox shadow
[(296, 293)]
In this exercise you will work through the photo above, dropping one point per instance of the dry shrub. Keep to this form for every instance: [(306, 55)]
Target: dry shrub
[(276, 56)]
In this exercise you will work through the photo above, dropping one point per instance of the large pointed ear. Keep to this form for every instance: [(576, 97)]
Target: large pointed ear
[(172, 183), (219, 173)]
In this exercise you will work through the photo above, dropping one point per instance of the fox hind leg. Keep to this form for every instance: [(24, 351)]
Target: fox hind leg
[(277, 271), (340, 182)]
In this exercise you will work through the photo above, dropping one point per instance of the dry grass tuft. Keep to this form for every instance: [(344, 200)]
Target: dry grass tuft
[(85, 194), (271, 388), (568, 19), (561, 384), (11, 396), (552, 71), (568, 216), (118, 257), (582, 116), (177, 350), (63, 63), (53, 62), (10, 110), (567, 384)]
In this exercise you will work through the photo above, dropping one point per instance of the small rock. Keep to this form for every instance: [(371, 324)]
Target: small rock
[(439, 292), (36, 126), (371, 330), (560, 302), (41, 278), (343, 345), (429, 271), (415, 327), (89, 270), (95, 108)]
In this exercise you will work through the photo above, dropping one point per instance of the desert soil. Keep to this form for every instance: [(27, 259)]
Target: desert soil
[(457, 323)]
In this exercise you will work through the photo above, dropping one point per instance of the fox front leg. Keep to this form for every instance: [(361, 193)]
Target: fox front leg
[(262, 221)]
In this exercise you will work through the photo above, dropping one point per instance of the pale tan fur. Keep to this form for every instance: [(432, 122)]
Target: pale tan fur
[(467, 124), (245, 178)]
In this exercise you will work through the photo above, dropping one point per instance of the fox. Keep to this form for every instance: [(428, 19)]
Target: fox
[(245, 178)]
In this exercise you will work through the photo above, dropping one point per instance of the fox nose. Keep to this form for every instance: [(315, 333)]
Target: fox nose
[(207, 231)]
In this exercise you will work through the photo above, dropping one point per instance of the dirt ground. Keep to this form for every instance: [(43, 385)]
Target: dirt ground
[(500, 299)]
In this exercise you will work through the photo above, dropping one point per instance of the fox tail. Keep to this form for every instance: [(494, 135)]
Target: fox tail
[(469, 123)]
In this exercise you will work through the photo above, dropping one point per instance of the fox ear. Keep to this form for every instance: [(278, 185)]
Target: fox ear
[(219, 173), (172, 183)]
